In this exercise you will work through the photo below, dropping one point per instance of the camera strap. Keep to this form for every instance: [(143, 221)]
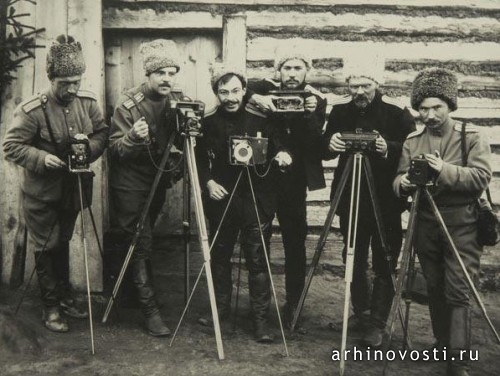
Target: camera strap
[(464, 160), (44, 99), (142, 114)]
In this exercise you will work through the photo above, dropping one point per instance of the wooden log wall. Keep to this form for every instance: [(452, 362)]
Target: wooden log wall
[(83, 21), (410, 35)]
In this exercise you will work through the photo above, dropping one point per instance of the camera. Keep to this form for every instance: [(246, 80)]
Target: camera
[(189, 114), (289, 101), (359, 140), (248, 151), (78, 155), (420, 173)]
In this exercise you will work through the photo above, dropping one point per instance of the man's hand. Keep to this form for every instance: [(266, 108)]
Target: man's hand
[(381, 145), (263, 102), (336, 144), (81, 136), (310, 104), (140, 130), (54, 163), (284, 159), (405, 183), (216, 191), (435, 161)]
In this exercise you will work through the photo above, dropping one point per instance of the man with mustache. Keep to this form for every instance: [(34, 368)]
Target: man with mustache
[(304, 142), (218, 178), (455, 191), (368, 110), (38, 139), (142, 124)]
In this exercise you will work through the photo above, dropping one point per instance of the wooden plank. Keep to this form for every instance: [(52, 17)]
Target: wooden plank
[(84, 23), (122, 18), (234, 39), (486, 4), (262, 48)]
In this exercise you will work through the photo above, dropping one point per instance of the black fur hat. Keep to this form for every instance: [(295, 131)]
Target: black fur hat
[(435, 83), (65, 58)]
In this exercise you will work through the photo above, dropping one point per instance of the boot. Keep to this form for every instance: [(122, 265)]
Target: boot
[(440, 319), (380, 306), (47, 279), (260, 301), (53, 320), (141, 276), (459, 340)]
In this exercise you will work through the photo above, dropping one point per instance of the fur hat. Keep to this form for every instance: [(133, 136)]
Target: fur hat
[(290, 52), (158, 54), (219, 70), (65, 58), (364, 63), (435, 82)]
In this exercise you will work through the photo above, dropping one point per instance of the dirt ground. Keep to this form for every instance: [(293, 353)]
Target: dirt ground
[(123, 348)]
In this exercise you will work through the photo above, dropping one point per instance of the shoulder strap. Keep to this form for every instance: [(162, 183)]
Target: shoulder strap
[(44, 99)]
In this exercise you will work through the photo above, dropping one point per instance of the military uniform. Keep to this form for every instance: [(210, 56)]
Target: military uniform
[(48, 195), (303, 140), (394, 124), (212, 153), (455, 192)]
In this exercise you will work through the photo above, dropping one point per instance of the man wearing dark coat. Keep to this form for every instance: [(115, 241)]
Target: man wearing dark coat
[(38, 140), (367, 109)]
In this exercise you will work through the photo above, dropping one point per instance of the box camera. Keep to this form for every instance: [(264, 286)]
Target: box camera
[(78, 155), (248, 151), (420, 173), (289, 101), (359, 140), (189, 114)]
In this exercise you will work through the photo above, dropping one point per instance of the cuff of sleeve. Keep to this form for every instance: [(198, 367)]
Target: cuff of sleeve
[(445, 176), (40, 164)]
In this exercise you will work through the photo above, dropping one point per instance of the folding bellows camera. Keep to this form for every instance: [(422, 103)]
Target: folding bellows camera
[(189, 115), (289, 101), (248, 151)]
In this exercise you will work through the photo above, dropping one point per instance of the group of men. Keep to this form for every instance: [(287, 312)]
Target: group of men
[(144, 118)]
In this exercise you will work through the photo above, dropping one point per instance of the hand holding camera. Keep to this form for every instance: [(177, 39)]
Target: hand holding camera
[(263, 102), (310, 104), (52, 162), (435, 161), (381, 145), (140, 130), (337, 145)]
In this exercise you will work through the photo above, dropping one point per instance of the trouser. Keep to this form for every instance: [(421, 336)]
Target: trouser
[(241, 219), (50, 230), (449, 294), (291, 213), (127, 207), (379, 303)]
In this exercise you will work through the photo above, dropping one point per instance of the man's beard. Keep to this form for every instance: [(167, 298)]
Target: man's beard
[(361, 101)]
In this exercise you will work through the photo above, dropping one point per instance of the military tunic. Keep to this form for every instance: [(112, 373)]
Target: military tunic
[(455, 192)]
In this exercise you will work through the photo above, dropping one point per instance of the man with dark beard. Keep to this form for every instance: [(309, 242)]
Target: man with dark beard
[(366, 109)]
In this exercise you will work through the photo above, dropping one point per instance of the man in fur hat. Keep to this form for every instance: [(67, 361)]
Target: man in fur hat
[(218, 178), (455, 192), (143, 121), (38, 140), (368, 110), (304, 142)]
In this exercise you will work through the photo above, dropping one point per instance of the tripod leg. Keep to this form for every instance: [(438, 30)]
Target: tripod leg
[(403, 269), (470, 283), (382, 236), (85, 253), (140, 226), (238, 281), (322, 240), (351, 247), (267, 260), (186, 226)]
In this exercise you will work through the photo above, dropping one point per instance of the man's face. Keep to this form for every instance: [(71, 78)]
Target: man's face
[(293, 74), (434, 112), (65, 88), (362, 90), (230, 94), (162, 80)]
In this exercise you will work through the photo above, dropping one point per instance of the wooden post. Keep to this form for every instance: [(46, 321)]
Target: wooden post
[(234, 40), (85, 24)]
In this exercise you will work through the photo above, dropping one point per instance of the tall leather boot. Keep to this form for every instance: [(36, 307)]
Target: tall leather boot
[(47, 280), (440, 320), (459, 340), (380, 306), (142, 278), (260, 301), (221, 275)]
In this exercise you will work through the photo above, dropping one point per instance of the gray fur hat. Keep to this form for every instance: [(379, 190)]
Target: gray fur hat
[(219, 70), (435, 83), (65, 58), (158, 54)]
